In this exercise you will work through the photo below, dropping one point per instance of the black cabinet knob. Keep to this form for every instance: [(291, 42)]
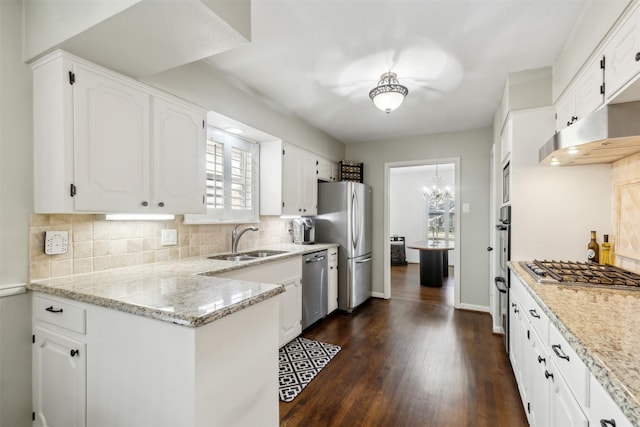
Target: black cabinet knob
[(489, 248), (74, 353), (145, 203), (637, 56), (547, 374), (161, 204), (541, 359), (609, 423)]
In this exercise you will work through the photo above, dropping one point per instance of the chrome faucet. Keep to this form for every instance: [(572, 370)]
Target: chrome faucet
[(235, 236)]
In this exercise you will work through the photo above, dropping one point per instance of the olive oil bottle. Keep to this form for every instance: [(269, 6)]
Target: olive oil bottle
[(593, 249), (605, 256)]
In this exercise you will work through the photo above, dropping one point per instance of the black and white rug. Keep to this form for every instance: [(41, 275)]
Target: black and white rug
[(299, 362)]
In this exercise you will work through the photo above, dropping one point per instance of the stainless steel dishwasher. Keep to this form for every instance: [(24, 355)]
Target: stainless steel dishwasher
[(314, 287)]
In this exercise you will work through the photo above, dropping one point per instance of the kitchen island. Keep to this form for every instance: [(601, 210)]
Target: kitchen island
[(601, 326), (164, 344)]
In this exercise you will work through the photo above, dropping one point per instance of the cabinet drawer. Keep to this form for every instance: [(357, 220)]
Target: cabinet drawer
[(59, 313), (604, 411), (569, 365), (536, 316)]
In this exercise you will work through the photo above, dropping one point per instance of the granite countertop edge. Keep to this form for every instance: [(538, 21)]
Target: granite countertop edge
[(618, 391), (180, 270)]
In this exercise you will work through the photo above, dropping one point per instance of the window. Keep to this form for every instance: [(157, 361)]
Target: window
[(232, 180)]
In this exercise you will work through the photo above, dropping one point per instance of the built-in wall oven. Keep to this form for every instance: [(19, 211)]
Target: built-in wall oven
[(502, 279)]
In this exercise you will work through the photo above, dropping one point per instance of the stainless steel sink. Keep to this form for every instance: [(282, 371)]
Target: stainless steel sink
[(263, 253), (240, 258), (247, 256)]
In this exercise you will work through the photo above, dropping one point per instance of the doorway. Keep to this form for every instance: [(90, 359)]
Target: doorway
[(420, 203)]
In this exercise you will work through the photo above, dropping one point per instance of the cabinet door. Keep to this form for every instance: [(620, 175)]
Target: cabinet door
[(589, 89), (59, 380), (620, 54), (290, 311), (111, 144), (291, 180), (308, 189), (564, 409), (540, 384), (335, 171), (332, 281), (519, 349), (565, 109), (326, 170), (604, 411), (179, 154)]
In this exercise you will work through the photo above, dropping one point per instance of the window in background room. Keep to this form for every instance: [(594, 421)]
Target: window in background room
[(232, 180)]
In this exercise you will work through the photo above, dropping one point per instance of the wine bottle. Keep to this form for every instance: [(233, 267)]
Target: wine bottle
[(606, 251), (593, 249)]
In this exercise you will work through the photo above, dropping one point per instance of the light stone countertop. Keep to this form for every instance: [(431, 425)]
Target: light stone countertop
[(174, 291), (603, 327)]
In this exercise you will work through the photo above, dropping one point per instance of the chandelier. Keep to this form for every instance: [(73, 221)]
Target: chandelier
[(389, 93), (436, 193)]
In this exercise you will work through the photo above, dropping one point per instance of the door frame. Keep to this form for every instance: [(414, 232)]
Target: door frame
[(387, 245)]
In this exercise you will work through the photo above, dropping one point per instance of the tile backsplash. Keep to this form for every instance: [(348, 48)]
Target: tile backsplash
[(626, 212), (96, 244)]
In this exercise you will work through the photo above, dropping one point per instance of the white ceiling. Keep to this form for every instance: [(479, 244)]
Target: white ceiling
[(319, 59)]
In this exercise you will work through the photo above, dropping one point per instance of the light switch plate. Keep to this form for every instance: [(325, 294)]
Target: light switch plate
[(56, 242), (169, 237)]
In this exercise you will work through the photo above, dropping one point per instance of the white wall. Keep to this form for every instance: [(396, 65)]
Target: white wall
[(52, 22), (407, 208), (15, 205), (553, 208), (204, 85), (473, 148)]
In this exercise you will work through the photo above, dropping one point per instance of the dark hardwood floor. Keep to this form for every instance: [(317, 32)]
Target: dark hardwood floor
[(409, 361)]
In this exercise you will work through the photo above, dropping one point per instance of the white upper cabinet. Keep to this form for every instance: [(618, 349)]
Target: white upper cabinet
[(622, 54), (111, 143), (106, 143), (288, 182), (326, 170), (179, 154), (584, 96)]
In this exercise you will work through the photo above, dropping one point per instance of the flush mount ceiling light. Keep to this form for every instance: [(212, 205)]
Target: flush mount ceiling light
[(389, 93)]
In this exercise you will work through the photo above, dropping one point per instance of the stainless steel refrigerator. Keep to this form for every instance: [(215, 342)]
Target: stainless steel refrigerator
[(344, 217)]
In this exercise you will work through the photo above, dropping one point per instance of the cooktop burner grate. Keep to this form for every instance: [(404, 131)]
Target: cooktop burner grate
[(581, 273)]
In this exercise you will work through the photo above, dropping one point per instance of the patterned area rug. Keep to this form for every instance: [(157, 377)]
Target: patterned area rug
[(299, 362)]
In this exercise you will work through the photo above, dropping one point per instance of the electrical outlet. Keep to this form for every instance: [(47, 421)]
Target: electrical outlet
[(169, 237), (56, 242)]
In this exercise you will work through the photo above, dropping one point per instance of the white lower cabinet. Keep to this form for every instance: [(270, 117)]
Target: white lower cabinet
[(556, 388), (604, 412), (287, 272), (132, 371), (290, 311), (59, 380), (541, 377), (332, 279), (59, 363), (564, 408)]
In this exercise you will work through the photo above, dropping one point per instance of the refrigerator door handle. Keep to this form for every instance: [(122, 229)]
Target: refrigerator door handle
[(362, 261), (355, 219)]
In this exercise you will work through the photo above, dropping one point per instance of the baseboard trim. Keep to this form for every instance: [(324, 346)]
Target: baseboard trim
[(473, 307), (378, 295)]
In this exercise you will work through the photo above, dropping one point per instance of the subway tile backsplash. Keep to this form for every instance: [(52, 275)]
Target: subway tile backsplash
[(96, 244)]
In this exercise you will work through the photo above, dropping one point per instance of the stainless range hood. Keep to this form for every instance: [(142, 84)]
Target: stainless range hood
[(604, 136)]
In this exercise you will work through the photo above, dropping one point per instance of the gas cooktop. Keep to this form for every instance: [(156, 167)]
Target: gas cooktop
[(581, 273)]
